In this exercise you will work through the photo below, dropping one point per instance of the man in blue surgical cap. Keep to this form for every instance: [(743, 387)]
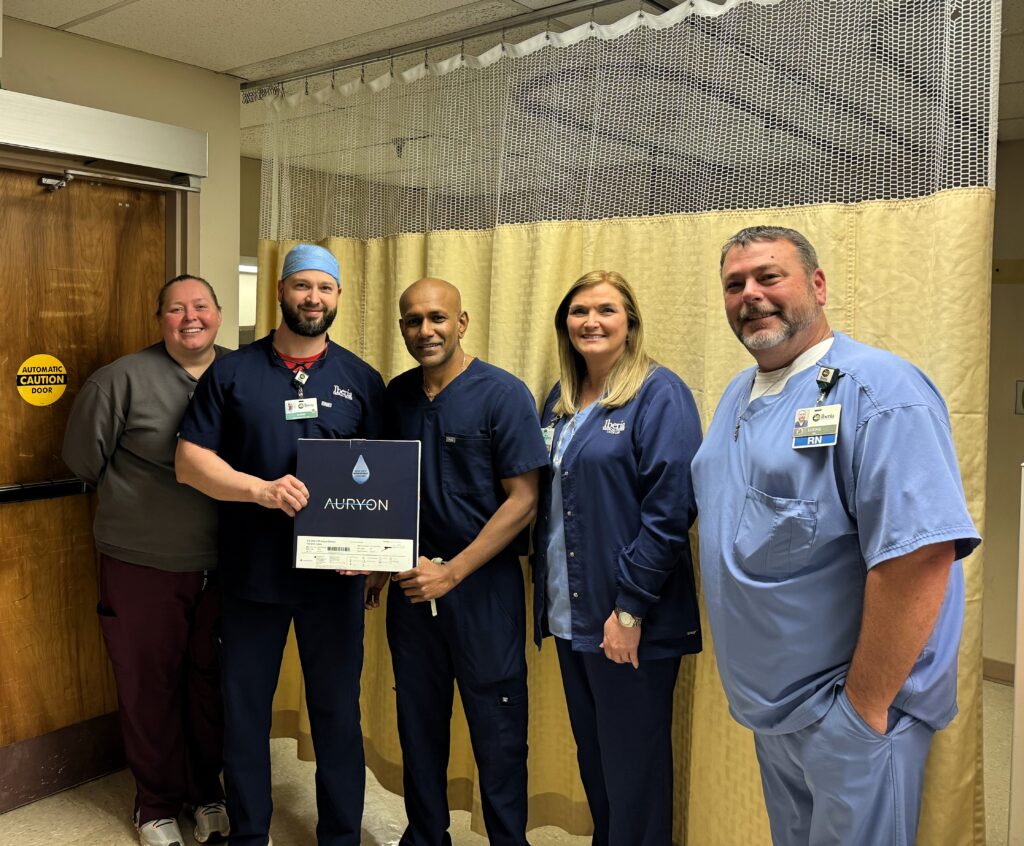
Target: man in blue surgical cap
[(238, 444)]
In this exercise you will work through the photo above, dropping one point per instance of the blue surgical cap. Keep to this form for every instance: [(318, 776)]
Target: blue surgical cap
[(310, 257)]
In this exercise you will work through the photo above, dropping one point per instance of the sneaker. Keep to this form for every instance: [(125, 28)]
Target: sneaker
[(163, 832), (212, 825)]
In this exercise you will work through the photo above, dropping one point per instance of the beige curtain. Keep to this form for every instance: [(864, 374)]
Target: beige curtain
[(888, 263)]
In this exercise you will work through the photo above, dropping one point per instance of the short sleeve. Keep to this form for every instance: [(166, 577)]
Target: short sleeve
[(203, 421), (908, 493), (374, 415), (515, 433)]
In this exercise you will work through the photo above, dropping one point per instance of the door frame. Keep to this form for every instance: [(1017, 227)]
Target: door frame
[(51, 138)]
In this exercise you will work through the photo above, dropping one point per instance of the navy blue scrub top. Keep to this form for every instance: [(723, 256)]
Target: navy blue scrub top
[(238, 412), (482, 428)]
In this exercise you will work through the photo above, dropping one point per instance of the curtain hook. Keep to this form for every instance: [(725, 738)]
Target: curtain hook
[(392, 70), (362, 74), (592, 8), (503, 41), (334, 79), (306, 80), (547, 30), (462, 51), (426, 59)]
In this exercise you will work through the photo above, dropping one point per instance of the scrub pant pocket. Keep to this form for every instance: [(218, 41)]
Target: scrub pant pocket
[(474, 642), (838, 782)]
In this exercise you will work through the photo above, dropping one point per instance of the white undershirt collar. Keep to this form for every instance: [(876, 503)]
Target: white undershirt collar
[(774, 382)]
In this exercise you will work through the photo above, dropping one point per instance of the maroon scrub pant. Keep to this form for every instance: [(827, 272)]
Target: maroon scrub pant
[(160, 629)]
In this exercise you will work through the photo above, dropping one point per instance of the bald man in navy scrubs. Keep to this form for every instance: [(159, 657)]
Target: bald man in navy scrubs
[(481, 447)]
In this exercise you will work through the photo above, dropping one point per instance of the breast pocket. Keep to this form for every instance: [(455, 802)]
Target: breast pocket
[(466, 464), (775, 535), (342, 419)]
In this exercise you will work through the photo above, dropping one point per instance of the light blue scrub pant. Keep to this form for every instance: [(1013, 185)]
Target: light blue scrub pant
[(838, 782)]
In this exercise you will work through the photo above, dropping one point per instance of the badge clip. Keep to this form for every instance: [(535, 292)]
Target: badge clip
[(298, 380), (827, 378)]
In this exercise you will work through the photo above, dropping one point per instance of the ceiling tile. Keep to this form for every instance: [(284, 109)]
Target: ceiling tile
[(225, 34), (384, 38), (54, 13)]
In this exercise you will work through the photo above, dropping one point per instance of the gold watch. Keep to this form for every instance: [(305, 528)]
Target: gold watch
[(627, 620)]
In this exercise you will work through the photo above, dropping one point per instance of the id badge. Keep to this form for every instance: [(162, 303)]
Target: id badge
[(548, 433), (817, 426), (300, 409)]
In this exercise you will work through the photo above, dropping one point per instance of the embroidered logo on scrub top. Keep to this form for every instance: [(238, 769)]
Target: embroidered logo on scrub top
[(342, 392), (614, 428)]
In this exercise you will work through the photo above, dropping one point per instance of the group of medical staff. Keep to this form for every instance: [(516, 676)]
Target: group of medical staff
[(832, 525)]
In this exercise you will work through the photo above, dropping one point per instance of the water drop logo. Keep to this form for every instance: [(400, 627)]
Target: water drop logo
[(360, 473)]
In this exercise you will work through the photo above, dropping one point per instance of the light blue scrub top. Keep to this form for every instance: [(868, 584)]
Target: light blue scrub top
[(787, 536), (557, 581)]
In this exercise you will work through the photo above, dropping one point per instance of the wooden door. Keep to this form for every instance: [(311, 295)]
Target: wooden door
[(79, 272)]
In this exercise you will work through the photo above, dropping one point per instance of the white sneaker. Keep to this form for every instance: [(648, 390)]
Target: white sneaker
[(163, 832), (212, 824)]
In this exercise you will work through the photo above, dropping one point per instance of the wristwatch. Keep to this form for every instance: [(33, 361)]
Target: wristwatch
[(627, 620)]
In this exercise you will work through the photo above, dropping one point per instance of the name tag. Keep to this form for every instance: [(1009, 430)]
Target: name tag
[(300, 409), (816, 426), (548, 433)]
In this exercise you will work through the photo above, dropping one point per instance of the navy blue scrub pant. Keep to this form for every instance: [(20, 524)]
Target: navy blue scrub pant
[(622, 721), (839, 782), (478, 640), (329, 631)]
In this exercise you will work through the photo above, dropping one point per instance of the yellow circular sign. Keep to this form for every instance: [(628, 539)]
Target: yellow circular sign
[(42, 380)]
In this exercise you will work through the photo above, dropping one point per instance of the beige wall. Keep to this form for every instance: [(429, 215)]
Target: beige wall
[(60, 66), (1005, 429), (249, 212)]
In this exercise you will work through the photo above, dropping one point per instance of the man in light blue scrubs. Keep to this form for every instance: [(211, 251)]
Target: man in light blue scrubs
[(832, 530)]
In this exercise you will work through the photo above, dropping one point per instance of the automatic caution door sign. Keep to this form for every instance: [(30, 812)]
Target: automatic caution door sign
[(42, 380)]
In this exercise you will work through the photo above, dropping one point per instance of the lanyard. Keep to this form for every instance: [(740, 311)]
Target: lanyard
[(298, 380), (564, 437), (568, 433)]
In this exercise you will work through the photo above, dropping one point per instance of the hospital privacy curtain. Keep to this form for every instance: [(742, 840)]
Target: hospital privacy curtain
[(640, 147)]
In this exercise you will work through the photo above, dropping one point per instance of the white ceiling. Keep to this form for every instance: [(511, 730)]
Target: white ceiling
[(258, 39), (255, 39)]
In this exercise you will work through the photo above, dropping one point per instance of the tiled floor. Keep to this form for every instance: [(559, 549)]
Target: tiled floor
[(998, 710), (96, 814)]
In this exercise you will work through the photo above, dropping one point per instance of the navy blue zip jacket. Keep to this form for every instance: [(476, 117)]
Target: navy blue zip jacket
[(628, 505)]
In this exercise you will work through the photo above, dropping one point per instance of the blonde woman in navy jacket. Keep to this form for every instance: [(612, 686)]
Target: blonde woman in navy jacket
[(613, 576)]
